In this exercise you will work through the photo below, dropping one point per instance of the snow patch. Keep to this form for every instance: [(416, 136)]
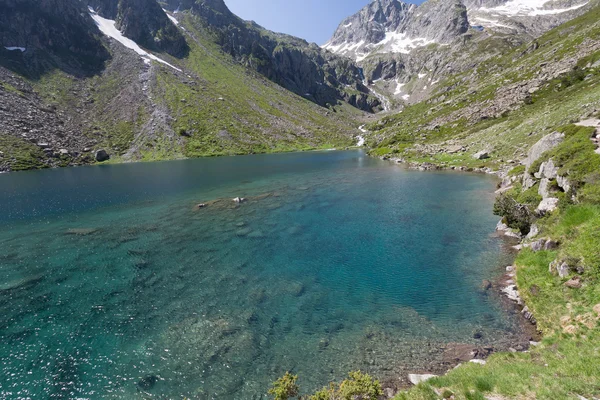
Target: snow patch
[(172, 18), (348, 25), (406, 97), (421, 76), (107, 27), (399, 87), (401, 43), (344, 47), (13, 48), (530, 8), (489, 23)]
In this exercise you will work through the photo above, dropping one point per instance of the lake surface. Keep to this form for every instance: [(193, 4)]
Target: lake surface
[(114, 285)]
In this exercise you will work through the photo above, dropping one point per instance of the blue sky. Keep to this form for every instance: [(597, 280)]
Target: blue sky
[(313, 20)]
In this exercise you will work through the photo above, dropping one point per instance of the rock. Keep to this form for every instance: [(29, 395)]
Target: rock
[(528, 315), (501, 226), (574, 283), (480, 362), (415, 379), (389, 393), (455, 149), (43, 145), (81, 231), (239, 200), (477, 335), (547, 205), (563, 183), (548, 142), (538, 245), (512, 293), (63, 152), (559, 267), (551, 245), (482, 155), (534, 290), (533, 231), (548, 170), (544, 189), (510, 269), (147, 382), (486, 285), (201, 205), (570, 329), (101, 156), (528, 182)]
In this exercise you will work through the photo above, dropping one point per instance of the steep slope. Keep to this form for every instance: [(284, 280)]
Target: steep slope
[(303, 68), (139, 105), (505, 104), (405, 50), (144, 22)]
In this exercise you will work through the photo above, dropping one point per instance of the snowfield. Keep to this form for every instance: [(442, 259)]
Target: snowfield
[(107, 27)]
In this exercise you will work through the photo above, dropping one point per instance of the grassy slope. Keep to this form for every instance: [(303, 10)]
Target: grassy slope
[(566, 364), (217, 107), (236, 111), (510, 135)]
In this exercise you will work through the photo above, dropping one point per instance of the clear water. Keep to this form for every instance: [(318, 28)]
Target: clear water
[(111, 277)]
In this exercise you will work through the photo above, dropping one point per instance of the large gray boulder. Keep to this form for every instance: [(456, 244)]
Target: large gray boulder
[(548, 142)]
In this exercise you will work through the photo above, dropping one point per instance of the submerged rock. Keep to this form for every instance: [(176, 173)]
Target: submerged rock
[(147, 382)]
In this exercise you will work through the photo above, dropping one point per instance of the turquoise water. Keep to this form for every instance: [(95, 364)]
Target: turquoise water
[(114, 285)]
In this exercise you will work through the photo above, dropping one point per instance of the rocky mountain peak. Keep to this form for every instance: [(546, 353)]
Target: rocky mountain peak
[(392, 26)]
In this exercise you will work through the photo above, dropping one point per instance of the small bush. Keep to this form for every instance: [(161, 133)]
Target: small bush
[(285, 387), (358, 385), (517, 215)]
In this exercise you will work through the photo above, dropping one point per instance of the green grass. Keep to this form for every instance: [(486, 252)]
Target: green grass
[(20, 154)]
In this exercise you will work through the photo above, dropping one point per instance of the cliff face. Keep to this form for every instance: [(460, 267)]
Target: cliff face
[(303, 68), (55, 33), (145, 23)]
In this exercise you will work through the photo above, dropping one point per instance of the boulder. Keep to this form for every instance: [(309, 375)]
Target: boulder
[(548, 170), (533, 231), (551, 245), (482, 155), (563, 183), (538, 245), (239, 200), (477, 361), (544, 189), (102, 155), (548, 142), (415, 379), (547, 205), (559, 267), (574, 283)]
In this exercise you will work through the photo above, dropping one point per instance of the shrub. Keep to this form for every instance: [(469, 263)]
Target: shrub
[(285, 387), (358, 385), (517, 215)]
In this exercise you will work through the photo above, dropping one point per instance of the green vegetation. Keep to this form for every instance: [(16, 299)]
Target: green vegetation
[(285, 387), (20, 154), (357, 386)]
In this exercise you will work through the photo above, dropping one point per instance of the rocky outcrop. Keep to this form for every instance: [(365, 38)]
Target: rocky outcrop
[(293, 63), (545, 144), (144, 22), (50, 34)]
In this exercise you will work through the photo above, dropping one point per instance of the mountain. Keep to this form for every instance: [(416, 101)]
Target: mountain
[(405, 49), (81, 81)]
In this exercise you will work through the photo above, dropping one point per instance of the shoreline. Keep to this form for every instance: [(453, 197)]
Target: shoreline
[(504, 286)]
